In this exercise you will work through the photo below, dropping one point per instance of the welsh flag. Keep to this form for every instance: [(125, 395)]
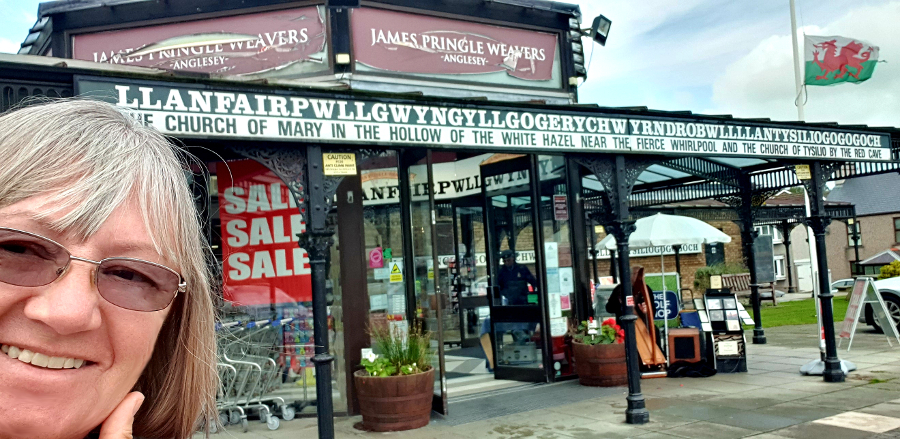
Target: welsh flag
[(832, 60)]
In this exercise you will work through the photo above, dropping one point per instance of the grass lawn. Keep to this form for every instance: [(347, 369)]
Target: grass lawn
[(798, 312)]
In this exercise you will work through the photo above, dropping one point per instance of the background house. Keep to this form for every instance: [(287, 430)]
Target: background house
[(877, 224)]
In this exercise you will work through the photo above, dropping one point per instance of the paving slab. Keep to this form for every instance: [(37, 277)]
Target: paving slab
[(708, 430), (870, 422), (849, 399), (756, 421), (767, 379), (700, 411), (728, 387), (765, 398), (799, 411), (661, 421), (889, 408), (818, 431)]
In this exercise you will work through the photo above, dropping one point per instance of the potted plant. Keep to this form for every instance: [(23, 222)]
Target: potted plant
[(397, 386), (600, 353)]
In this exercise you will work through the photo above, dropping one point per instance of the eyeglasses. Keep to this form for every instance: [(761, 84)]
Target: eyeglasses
[(29, 260)]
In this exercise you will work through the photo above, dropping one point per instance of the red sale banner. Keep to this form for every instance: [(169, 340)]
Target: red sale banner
[(262, 263)]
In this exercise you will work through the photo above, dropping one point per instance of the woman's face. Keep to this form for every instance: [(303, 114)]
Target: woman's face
[(68, 318)]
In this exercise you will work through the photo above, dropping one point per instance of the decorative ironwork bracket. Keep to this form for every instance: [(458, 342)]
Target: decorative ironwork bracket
[(604, 168), (288, 164)]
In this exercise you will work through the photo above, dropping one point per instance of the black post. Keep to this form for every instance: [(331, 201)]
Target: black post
[(748, 235), (621, 227), (818, 221), (855, 231), (789, 261), (317, 240)]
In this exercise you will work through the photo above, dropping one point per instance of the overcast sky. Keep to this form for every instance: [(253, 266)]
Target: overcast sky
[(706, 56)]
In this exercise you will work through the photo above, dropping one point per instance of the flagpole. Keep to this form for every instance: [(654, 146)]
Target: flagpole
[(798, 72), (798, 83)]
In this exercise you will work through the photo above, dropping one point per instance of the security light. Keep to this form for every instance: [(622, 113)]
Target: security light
[(600, 29)]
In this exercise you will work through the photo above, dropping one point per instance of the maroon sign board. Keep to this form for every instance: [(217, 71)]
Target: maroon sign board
[(560, 208), (399, 42), (277, 44)]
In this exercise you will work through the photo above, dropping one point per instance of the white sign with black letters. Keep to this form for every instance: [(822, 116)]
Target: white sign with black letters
[(200, 112)]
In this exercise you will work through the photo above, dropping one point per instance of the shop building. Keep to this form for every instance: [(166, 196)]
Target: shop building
[(373, 165)]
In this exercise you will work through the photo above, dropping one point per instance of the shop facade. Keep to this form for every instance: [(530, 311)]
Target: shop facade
[(335, 210)]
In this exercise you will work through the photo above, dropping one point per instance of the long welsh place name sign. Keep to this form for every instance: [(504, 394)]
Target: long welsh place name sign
[(196, 112)]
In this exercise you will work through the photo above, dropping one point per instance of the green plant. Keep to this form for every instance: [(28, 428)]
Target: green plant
[(608, 333), (701, 277), (890, 270), (400, 352)]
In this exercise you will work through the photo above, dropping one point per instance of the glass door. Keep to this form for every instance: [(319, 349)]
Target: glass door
[(469, 279), (516, 293), (423, 282)]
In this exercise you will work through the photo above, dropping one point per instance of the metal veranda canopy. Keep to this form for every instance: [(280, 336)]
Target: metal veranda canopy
[(618, 181)]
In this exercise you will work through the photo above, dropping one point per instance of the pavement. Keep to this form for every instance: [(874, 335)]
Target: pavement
[(771, 401)]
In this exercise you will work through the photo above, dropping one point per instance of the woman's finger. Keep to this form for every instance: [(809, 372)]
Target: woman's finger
[(119, 423)]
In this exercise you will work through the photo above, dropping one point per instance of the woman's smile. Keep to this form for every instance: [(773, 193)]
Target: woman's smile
[(40, 359)]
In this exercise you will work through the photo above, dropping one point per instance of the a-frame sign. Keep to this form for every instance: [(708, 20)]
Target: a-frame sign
[(865, 292)]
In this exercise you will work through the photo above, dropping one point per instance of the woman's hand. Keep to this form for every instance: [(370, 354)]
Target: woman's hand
[(118, 424)]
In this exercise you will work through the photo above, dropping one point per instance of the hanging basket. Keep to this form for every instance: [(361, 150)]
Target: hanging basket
[(394, 403), (601, 365)]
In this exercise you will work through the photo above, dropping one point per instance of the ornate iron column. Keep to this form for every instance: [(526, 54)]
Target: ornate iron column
[(306, 177), (818, 221), (746, 204), (789, 259), (618, 177)]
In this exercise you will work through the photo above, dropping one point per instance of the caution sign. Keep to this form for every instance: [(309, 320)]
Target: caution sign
[(339, 163), (396, 272), (802, 172)]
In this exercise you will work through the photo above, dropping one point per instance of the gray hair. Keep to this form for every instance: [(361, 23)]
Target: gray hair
[(87, 158)]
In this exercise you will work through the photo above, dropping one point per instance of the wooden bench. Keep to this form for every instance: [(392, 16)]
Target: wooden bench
[(740, 284)]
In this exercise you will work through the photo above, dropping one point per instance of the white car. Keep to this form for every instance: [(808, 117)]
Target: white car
[(843, 285), (890, 293)]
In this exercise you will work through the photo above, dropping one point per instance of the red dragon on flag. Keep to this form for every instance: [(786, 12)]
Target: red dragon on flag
[(831, 60)]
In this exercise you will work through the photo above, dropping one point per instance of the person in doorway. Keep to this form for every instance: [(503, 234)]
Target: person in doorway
[(514, 279), (106, 310)]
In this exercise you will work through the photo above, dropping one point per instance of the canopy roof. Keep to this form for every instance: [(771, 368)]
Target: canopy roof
[(669, 178)]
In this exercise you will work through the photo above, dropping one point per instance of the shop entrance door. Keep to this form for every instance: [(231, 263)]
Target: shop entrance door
[(468, 287), (515, 270)]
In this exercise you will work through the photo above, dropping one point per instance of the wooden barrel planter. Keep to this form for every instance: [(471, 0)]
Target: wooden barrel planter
[(394, 403), (601, 364)]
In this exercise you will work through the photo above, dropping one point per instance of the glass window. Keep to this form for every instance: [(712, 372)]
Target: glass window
[(852, 229), (779, 267), (266, 302), (770, 230), (896, 229), (383, 237)]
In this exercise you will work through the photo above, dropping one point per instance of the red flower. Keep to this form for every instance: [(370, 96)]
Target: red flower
[(609, 322)]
